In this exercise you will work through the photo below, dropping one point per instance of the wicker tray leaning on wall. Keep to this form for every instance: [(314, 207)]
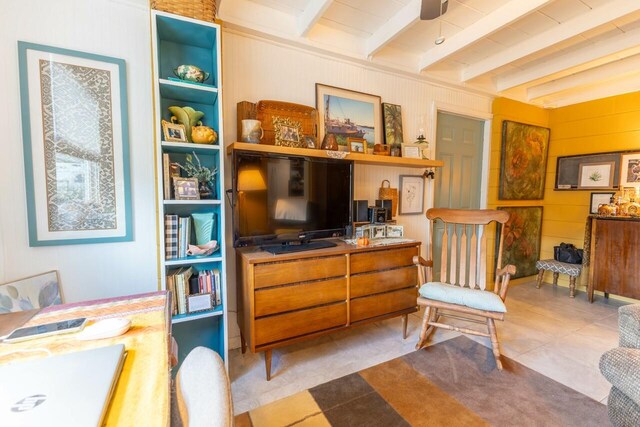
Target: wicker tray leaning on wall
[(203, 10)]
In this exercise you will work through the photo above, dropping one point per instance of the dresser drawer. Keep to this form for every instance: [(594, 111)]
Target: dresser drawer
[(381, 304), (282, 273), (383, 281), (292, 297), (382, 260), (290, 325)]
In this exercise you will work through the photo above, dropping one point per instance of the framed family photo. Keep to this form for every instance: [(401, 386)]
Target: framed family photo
[(186, 188), (348, 114), (76, 146), (288, 133), (173, 132)]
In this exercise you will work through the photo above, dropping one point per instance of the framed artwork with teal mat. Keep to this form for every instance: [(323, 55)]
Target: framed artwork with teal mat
[(76, 147)]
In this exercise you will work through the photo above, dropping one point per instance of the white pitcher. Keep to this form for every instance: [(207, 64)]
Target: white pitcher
[(251, 131)]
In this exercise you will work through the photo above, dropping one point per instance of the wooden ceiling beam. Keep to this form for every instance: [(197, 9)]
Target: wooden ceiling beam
[(616, 86), (619, 69), (489, 24), (312, 14), (391, 29), (608, 50), (571, 28)]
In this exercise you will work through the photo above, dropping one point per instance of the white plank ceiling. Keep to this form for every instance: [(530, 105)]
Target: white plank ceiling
[(549, 53)]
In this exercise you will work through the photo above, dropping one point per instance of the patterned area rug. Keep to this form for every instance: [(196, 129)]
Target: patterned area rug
[(453, 383)]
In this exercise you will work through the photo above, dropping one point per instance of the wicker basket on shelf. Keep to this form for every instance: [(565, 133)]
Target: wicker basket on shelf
[(203, 10)]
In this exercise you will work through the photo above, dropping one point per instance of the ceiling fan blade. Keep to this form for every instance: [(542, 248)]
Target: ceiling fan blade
[(431, 9)]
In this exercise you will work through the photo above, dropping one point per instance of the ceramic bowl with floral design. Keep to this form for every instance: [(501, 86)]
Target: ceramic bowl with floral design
[(191, 73)]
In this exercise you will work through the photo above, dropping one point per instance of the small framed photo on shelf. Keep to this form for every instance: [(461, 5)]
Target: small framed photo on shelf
[(363, 231), (395, 231), (598, 199), (596, 175), (310, 140), (186, 188), (379, 232), (630, 170), (199, 302), (173, 132), (415, 151), (357, 145)]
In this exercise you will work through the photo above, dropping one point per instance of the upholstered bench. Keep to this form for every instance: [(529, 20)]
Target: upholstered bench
[(557, 267)]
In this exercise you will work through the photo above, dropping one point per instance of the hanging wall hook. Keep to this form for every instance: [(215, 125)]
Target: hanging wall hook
[(429, 173)]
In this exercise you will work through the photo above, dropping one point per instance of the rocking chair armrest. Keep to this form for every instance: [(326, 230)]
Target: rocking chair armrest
[(505, 272), (421, 262)]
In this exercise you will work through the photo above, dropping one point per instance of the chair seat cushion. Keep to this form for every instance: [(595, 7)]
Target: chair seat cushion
[(473, 298)]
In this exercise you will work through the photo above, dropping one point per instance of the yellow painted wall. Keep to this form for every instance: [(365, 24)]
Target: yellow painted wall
[(609, 124)]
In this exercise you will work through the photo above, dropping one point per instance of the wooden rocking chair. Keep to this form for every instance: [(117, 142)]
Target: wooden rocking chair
[(461, 287)]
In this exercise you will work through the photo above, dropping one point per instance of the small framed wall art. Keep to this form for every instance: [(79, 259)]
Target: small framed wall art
[(411, 194), (595, 175), (76, 146), (630, 170), (598, 199)]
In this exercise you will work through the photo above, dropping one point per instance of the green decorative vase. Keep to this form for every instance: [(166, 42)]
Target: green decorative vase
[(203, 226), (186, 116)]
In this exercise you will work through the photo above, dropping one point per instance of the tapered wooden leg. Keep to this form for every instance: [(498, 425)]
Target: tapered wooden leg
[(494, 342), (425, 325), (606, 294), (555, 279), (267, 363), (405, 321), (540, 276), (572, 286), (243, 344)]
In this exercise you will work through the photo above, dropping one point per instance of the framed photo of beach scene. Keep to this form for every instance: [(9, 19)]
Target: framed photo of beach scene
[(348, 114)]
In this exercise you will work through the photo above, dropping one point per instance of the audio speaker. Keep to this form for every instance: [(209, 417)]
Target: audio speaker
[(385, 204), (360, 210)]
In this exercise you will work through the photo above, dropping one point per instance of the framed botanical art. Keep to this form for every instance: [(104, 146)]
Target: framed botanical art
[(523, 163), (522, 236), (595, 175), (411, 194), (630, 170), (346, 113), (392, 123), (76, 148)]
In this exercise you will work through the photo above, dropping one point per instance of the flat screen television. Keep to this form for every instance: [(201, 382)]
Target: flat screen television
[(282, 202)]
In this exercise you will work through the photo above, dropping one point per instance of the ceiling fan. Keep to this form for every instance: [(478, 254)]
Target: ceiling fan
[(432, 9)]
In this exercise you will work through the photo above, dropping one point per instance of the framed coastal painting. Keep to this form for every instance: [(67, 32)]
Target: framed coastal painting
[(522, 236), (523, 163), (392, 115), (76, 149), (348, 114)]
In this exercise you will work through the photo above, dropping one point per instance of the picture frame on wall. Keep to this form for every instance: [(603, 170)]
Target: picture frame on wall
[(76, 146), (411, 195), (392, 120), (598, 199), (348, 113), (595, 175), (630, 170), (523, 161), (522, 237)]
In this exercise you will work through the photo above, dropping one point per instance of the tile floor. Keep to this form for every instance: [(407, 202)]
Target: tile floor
[(545, 330)]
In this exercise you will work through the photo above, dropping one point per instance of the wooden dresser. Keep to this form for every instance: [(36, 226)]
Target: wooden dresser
[(614, 265), (291, 297)]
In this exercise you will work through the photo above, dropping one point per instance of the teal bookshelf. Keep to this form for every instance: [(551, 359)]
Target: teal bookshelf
[(177, 40)]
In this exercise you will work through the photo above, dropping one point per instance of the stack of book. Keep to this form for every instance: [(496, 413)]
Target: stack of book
[(187, 281), (177, 236)]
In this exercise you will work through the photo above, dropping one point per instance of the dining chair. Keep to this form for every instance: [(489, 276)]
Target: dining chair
[(457, 289)]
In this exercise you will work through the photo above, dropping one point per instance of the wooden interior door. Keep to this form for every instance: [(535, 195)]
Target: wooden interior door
[(459, 145)]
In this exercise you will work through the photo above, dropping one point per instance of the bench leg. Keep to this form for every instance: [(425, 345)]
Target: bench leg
[(572, 286), (267, 364), (555, 279), (540, 276)]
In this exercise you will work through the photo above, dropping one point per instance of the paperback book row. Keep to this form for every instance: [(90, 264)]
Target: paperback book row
[(186, 281)]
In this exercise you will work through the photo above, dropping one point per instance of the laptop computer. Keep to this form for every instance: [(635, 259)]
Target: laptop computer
[(71, 389)]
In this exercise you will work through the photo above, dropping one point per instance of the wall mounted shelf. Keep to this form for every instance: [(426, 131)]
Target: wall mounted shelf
[(366, 159)]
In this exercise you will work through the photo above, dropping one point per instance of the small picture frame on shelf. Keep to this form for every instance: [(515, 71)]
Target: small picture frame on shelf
[(310, 140), (395, 231), (173, 132), (186, 188), (199, 302), (379, 232), (598, 199), (357, 145), (596, 175), (412, 150)]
